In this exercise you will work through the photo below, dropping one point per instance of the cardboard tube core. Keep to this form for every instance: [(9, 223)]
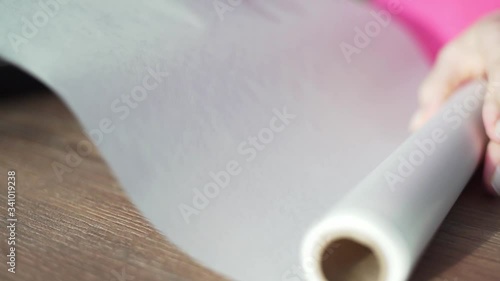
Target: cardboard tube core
[(345, 259)]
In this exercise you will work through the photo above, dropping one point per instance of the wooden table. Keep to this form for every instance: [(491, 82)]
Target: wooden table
[(85, 227)]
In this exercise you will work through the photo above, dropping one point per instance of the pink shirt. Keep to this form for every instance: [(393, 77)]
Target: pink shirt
[(436, 22)]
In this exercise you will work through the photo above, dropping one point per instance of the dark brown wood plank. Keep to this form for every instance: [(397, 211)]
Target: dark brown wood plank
[(467, 245), (83, 228)]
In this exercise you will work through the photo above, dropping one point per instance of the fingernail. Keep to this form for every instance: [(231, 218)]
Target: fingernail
[(495, 181)]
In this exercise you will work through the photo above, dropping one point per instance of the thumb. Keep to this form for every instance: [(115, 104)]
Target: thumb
[(457, 63)]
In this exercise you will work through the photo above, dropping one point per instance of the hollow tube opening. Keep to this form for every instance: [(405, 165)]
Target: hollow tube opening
[(345, 259)]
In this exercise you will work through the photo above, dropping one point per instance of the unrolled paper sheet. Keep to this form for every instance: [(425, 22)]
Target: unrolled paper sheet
[(237, 126)]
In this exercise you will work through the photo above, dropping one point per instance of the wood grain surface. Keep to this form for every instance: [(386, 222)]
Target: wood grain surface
[(85, 228)]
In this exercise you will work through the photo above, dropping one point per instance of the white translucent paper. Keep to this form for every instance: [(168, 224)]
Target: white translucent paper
[(236, 129)]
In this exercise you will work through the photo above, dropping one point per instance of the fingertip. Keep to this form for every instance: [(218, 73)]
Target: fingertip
[(423, 115), (415, 121), (431, 92), (491, 120), (491, 171)]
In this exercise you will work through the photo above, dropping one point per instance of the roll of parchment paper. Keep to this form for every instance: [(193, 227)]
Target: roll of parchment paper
[(236, 126), (378, 231)]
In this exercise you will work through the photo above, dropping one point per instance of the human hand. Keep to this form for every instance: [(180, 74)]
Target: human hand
[(472, 55)]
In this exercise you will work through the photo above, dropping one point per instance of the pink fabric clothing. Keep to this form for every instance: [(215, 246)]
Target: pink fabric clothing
[(436, 22)]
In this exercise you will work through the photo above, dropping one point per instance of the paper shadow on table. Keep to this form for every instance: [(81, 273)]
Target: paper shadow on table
[(467, 245), (15, 81)]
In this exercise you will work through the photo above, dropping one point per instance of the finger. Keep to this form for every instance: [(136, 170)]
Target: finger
[(455, 65), (422, 116), (488, 46), (491, 110), (491, 172), (491, 115)]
